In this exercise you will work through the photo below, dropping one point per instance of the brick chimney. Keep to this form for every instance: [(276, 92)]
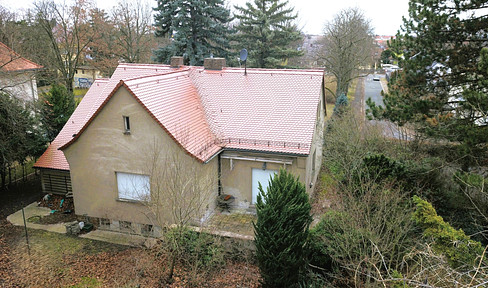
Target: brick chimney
[(176, 61), (214, 63)]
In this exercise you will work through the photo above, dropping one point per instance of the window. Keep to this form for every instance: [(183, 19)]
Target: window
[(126, 124), (104, 223), (133, 186), (125, 226), (146, 229)]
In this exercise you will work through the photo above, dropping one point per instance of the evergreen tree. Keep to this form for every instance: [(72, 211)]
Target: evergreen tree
[(281, 230), (267, 31), (442, 89), (198, 28), (341, 104), (57, 106), (18, 134)]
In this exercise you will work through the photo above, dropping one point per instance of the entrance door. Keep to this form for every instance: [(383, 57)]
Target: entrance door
[(263, 177)]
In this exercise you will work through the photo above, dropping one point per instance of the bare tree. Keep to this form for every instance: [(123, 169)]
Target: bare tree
[(347, 45), (135, 40), (183, 192), (69, 34)]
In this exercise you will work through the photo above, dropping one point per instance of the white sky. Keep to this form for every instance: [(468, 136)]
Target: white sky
[(385, 15)]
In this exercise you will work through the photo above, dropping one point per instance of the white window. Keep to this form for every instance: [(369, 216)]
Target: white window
[(133, 186)]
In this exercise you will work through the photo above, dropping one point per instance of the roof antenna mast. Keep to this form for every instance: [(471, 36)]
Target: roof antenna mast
[(243, 58)]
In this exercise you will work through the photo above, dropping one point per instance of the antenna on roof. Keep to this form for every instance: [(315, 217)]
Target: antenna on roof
[(243, 58)]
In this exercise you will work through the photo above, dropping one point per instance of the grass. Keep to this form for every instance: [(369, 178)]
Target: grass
[(79, 92)]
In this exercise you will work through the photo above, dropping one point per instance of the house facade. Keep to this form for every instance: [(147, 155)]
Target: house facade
[(17, 75), (218, 127)]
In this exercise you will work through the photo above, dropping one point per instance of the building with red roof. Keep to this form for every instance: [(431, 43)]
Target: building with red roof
[(236, 128), (17, 75)]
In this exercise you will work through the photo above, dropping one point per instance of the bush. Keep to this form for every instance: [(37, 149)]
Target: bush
[(201, 250), (369, 230), (281, 231), (454, 244)]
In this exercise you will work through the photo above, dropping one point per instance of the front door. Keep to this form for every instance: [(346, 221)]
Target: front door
[(263, 177)]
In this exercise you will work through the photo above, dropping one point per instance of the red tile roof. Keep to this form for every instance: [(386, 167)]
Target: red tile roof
[(11, 61), (205, 111)]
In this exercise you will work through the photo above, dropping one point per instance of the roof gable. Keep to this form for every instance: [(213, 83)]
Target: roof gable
[(10, 61)]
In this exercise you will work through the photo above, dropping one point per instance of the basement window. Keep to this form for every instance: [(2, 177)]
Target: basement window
[(146, 229), (126, 124)]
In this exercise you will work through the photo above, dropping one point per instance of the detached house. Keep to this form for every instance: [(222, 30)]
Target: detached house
[(17, 74), (241, 127)]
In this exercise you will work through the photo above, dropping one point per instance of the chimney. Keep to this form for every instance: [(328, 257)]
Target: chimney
[(176, 61), (214, 63)]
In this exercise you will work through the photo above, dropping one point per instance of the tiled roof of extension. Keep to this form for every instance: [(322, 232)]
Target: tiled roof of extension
[(205, 111), (11, 61)]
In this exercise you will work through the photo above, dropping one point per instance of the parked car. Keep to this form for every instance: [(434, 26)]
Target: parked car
[(376, 77)]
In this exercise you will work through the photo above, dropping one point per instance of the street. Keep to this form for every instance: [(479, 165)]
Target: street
[(372, 89)]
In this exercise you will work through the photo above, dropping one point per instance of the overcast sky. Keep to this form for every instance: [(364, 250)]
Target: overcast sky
[(385, 15)]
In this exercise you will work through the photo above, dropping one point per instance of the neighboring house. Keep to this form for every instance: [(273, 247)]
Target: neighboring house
[(17, 75), (85, 76), (242, 128)]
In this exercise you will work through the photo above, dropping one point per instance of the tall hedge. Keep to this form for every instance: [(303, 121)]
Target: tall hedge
[(282, 230)]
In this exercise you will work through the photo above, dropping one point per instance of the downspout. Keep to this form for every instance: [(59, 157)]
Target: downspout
[(219, 174)]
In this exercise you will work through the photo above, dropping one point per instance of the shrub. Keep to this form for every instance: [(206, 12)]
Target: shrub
[(454, 244), (198, 249), (281, 231)]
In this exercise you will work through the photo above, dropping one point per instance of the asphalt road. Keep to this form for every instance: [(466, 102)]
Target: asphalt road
[(372, 89)]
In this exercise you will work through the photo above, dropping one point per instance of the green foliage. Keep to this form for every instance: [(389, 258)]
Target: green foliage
[(57, 106), (281, 231), (385, 56), (267, 31), (442, 89), (398, 283), (197, 28), (19, 136), (199, 249), (454, 244), (341, 104), (87, 282), (381, 167)]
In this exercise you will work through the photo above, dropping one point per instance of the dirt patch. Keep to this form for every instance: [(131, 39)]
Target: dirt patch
[(58, 203)]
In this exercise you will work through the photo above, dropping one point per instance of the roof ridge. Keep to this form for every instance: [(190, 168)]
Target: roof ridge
[(155, 75), (20, 57)]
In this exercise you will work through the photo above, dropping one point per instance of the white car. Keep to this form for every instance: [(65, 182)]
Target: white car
[(376, 77)]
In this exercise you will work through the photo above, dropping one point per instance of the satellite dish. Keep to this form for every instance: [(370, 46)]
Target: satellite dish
[(243, 54)]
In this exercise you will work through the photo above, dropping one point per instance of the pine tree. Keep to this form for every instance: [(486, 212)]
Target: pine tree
[(442, 89), (57, 106), (281, 231), (198, 29), (267, 31)]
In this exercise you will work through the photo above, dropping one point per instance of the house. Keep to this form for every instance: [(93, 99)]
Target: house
[(17, 75), (85, 76), (239, 127)]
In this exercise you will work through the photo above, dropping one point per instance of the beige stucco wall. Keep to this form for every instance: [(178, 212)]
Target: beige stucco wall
[(238, 180), (313, 167), (103, 149)]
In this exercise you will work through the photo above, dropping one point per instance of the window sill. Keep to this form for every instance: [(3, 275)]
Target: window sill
[(130, 201)]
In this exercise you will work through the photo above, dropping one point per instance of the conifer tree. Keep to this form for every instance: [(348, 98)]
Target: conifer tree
[(341, 104), (197, 28), (267, 31), (281, 230), (442, 89), (57, 106)]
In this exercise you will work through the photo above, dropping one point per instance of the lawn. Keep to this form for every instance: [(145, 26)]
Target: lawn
[(57, 260)]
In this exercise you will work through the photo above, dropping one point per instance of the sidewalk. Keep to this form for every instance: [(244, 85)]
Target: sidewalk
[(99, 235)]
